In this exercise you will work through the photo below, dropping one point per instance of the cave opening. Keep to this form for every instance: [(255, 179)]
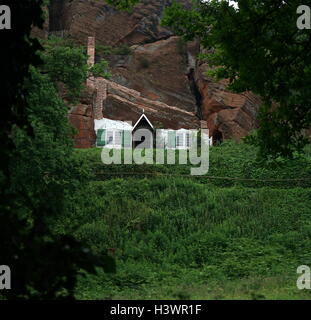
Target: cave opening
[(217, 138), (196, 92)]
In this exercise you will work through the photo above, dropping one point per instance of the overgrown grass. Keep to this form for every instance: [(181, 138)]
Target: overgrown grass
[(230, 160), (183, 238)]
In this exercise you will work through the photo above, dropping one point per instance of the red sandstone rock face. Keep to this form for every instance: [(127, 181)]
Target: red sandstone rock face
[(81, 117), (127, 105), (233, 115), (111, 100), (161, 69), (111, 27)]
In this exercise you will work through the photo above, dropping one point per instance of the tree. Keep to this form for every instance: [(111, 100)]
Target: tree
[(38, 171), (65, 65), (19, 52), (44, 173), (100, 69), (259, 48)]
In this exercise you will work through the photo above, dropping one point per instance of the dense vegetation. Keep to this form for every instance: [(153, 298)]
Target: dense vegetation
[(63, 212), (182, 237), (259, 48), (39, 169)]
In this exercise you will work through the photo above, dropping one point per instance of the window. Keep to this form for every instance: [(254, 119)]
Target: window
[(187, 139), (109, 137), (118, 138), (114, 137), (179, 140)]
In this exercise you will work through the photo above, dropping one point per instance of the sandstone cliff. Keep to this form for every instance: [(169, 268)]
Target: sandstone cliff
[(169, 82)]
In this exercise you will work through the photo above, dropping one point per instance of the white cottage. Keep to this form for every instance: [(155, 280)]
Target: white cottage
[(113, 134), (116, 134)]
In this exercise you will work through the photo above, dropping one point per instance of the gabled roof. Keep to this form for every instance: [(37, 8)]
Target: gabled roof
[(105, 123), (141, 117)]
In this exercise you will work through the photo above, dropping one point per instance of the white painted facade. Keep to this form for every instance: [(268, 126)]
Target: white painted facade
[(113, 133)]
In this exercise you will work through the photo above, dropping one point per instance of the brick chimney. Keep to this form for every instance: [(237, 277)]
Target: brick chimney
[(203, 124), (100, 98), (99, 84), (91, 51), (90, 60)]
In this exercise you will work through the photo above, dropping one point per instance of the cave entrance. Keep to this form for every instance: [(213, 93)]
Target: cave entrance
[(217, 138), (196, 93)]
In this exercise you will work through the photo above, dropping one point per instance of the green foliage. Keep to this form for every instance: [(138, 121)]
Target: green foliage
[(103, 50), (123, 4), (169, 232), (43, 174), (162, 231), (38, 169), (51, 142), (173, 227), (232, 160), (259, 48), (18, 50), (101, 69), (67, 65)]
